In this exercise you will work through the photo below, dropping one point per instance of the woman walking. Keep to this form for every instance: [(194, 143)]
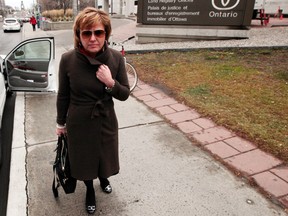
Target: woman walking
[(33, 22), (90, 76)]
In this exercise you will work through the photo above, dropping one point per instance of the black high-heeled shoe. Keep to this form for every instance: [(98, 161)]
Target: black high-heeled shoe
[(105, 185), (90, 201)]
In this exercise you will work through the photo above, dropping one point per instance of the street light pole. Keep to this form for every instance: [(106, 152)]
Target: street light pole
[(121, 7), (111, 7), (38, 7), (106, 6), (75, 8)]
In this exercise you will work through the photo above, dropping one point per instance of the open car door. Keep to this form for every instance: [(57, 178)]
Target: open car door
[(30, 66)]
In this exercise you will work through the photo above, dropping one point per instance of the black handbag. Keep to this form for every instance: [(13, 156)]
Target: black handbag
[(61, 169)]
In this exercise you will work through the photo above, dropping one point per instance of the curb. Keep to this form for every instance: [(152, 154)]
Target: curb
[(17, 200)]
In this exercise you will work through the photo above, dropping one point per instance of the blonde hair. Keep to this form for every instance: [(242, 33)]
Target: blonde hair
[(89, 17)]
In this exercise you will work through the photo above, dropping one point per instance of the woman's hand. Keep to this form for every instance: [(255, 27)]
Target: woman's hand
[(104, 75), (61, 130)]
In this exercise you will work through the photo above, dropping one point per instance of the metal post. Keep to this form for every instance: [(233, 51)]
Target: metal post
[(38, 7), (106, 6), (38, 14), (75, 8), (111, 7), (121, 7)]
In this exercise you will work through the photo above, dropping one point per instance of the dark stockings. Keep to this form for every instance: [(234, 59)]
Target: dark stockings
[(105, 185), (103, 182), (89, 184), (90, 194)]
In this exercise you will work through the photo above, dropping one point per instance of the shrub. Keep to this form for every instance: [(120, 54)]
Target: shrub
[(58, 15)]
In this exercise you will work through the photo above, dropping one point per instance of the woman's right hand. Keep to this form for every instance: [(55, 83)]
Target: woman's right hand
[(61, 130)]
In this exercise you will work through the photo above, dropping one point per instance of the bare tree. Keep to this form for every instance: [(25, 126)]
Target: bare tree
[(66, 4), (47, 5), (86, 3), (55, 4)]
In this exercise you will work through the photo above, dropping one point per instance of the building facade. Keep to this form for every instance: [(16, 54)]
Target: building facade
[(119, 7)]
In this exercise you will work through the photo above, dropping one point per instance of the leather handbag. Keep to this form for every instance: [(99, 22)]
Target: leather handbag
[(61, 169)]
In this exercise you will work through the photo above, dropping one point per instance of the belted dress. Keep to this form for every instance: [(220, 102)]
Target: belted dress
[(87, 109)]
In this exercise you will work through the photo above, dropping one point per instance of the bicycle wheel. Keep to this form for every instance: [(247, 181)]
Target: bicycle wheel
[(132, 76)]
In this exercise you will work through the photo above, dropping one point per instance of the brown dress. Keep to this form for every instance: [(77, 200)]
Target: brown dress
[(87, 109)]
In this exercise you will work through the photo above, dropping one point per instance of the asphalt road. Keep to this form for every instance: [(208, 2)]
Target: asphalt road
[(8, 40)]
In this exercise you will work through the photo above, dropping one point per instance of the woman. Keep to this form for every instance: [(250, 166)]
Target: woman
[(91, 75), (33, 22)]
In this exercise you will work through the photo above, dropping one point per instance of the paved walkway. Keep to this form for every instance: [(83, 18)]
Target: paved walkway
[(243, 157)]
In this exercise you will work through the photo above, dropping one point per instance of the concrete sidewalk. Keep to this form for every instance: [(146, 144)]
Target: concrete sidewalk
[(163, 170)]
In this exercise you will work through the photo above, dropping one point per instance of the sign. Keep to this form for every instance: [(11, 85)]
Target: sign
[(195, 12)]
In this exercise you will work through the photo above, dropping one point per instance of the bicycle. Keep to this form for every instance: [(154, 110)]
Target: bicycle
[(131, 71)]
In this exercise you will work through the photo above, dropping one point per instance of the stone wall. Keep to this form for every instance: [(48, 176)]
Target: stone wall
[(173, 33), (52, 26)]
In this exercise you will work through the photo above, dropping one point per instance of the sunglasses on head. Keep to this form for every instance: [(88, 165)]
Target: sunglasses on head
[(97, 33)]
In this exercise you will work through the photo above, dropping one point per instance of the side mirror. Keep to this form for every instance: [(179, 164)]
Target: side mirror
[(18, 54)]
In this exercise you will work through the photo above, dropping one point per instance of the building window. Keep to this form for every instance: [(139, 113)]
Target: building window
[(136, 2)]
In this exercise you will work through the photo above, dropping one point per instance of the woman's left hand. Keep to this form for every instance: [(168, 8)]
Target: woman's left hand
[(104, 75)]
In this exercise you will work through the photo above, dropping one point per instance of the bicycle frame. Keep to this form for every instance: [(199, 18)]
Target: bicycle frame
[(131, 72)]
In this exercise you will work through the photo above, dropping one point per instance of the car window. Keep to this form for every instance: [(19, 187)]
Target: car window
[(10, 21), (36, 50)]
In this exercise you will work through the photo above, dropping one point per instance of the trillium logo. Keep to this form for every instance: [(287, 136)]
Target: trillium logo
[(225, 4), (224, 9)]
